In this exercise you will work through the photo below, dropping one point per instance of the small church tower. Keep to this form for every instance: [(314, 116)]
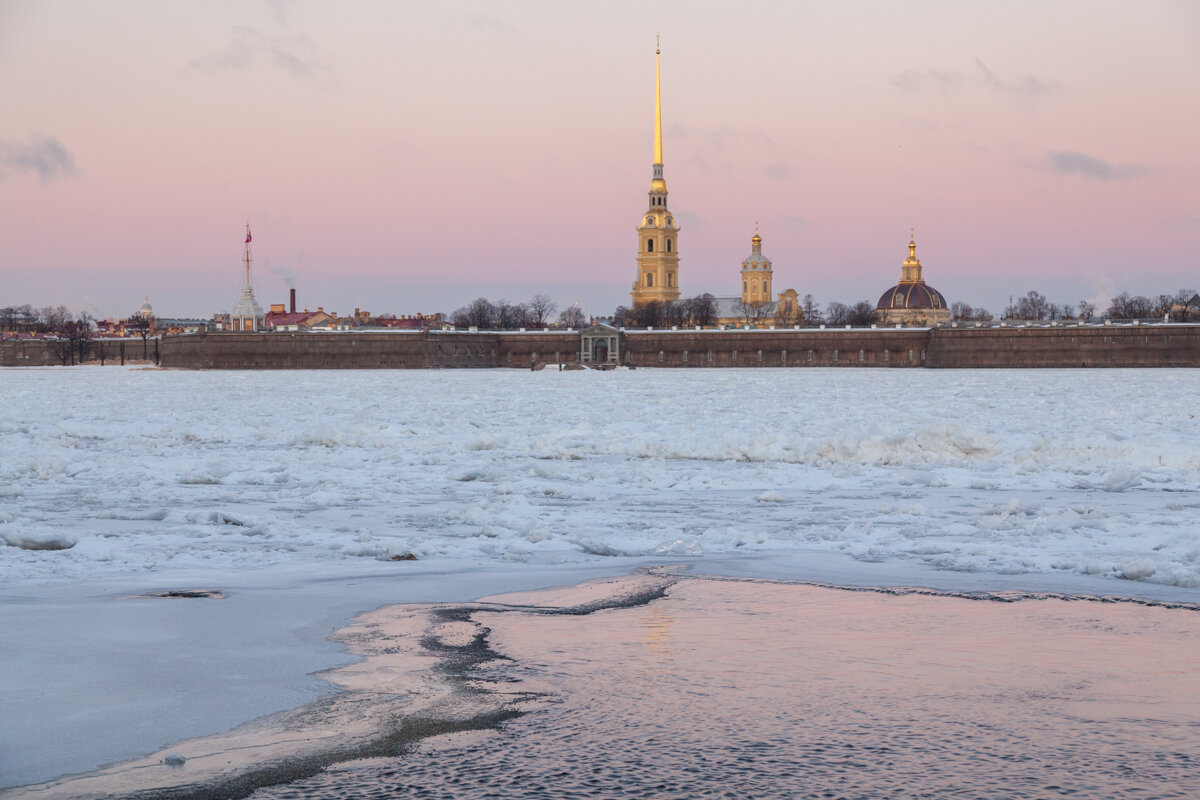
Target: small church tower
[(756, 274), (658, 236)]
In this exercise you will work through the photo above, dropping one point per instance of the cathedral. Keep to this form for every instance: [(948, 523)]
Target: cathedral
[(658, 236), (911, 302)]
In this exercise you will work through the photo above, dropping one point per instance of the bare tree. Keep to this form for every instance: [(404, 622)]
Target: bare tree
[(648, 315), (1123, 306), (1162, 305), (861, 313), (481, 314), (702, 310), (754, 312), (811, 311), (143, 327), (1086, 310), (1187, 305), (573, 317), (541, 307), (960, 311), (1032, 306), (837, 314), (622, 317), (74, 339), (511, 316)]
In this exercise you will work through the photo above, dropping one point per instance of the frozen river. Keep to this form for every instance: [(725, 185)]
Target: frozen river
[(145, 472), (295, 492)]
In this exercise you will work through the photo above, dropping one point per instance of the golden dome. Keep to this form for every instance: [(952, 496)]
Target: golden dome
[(658, 185)]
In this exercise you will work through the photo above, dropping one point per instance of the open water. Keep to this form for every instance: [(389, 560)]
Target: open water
[(737, 689)]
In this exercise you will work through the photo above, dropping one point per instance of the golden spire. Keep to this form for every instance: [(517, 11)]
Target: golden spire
[(657, 102), (910, 270)]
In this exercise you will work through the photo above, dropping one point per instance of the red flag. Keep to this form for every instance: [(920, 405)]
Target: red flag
[(247, 236)]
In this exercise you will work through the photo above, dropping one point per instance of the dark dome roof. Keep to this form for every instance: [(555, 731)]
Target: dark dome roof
[(911, 295)]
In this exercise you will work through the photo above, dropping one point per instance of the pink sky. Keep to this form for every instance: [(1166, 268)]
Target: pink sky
[(406, 157)]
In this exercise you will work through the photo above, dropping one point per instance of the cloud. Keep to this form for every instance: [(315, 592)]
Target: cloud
[(779, 171), (45, 155), (946, 82), (932, 78), (796, 223), (1028, 86), (250, 48), (490, 24), (1072, 162)]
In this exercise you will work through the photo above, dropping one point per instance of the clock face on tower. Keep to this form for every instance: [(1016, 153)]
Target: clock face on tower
[(649, 222)]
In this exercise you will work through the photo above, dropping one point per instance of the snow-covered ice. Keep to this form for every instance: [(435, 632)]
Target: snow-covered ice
[(293, 492), (110, 471)]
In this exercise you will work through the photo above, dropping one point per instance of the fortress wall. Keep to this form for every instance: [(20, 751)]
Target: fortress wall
[(523, 349), (807, 347), (458, 349), (296, 351), (1067, 346), (43, 353)]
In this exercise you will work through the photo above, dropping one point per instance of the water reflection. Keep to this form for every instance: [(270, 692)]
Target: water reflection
[(744, 689)]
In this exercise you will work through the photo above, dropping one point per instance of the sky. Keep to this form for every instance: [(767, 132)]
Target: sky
[(405, 157)]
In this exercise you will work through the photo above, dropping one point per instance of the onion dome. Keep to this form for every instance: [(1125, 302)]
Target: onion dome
[(756, 260)]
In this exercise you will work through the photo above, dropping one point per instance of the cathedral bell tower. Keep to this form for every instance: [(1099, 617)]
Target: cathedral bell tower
[(658, 236), (756, 274)]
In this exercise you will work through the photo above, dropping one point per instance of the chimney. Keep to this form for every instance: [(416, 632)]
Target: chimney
[(293, 301)]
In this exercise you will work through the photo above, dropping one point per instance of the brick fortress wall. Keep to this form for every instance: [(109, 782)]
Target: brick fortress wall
[(1175, 345)]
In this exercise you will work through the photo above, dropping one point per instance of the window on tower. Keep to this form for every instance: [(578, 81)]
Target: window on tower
[(668, 245), (649, 245), (649, 279)]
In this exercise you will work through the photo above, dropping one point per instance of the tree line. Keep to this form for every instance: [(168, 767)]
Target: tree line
[(703, 310), (1183, 306), (536, 314), (71, 333)]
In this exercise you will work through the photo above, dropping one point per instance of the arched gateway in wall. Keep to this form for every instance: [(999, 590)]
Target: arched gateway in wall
[(600, 344)]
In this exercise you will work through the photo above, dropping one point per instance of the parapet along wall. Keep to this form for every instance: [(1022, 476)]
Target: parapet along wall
[(351, 350), (806, 347), (1167, 345), (1069, 346)]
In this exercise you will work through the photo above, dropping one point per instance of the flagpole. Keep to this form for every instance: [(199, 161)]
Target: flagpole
[(247, 253)]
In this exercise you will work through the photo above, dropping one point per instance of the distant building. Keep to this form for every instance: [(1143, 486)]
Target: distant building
[(170, 326), (411, 321), (912, 301), (247, 314), (658, 251), (755, 305)]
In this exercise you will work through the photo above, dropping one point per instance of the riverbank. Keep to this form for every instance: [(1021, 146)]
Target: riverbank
[(675, 685)]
